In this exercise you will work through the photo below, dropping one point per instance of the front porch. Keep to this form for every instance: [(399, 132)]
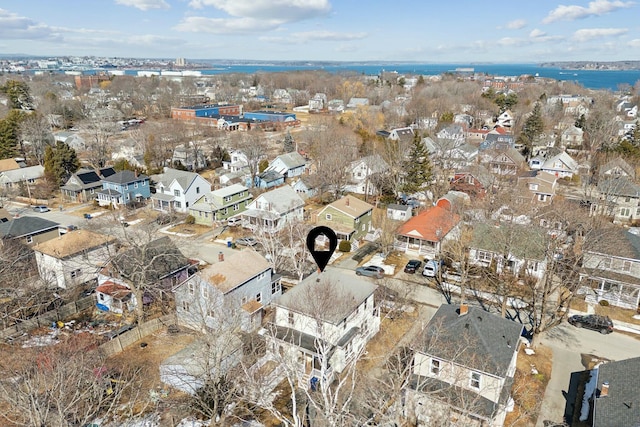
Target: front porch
[(417, 247), (254, 219), (162, 202), (616, 292)]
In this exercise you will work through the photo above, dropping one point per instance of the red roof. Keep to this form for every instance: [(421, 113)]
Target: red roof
[(114, 289), (433, 224)]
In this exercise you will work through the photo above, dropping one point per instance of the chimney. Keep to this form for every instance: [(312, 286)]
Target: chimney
[(220, 256), (604, 392), (347, 201), (464, 309)]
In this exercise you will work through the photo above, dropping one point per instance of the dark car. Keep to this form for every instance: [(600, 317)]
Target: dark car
[(602, 324), (412, 266), (370, 271)]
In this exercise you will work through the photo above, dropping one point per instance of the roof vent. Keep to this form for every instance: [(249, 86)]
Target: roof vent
[(604, 391), (464, 309)]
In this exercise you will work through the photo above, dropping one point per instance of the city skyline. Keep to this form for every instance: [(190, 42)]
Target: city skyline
[(324, 30)]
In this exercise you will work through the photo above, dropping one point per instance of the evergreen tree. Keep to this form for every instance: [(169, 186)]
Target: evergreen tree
[(18, 94), (60, 161), (289, 144), (10, 134), (417, 168), (532, 129)]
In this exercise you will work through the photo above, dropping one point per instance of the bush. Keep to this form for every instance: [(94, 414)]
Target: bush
[(190, 219), (604, 303), (344, 246)]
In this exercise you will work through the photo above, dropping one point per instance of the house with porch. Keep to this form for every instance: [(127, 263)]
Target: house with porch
[(83, 185), (464, 369), (177, 190), (424, 234), (349, 217), (322, 325), (520, 250), (73, 258), (270, 211), (612, 268), (123, 188), (243, 283), (221, 204)]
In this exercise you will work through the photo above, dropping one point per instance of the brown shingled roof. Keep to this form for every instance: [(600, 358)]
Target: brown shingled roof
[(235, 270), (72, 243), (351, 206)]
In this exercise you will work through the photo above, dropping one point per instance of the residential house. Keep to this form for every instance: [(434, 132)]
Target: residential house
[(364, 173), (453, 132), (464, 370), (237, 162), (538, 187), (520, 250), (399, 212), (424, 234), (355, 103), (243, 283), (349, 217), (114, 297), (177, 190), (619, 197), (270, 211), (123, 188), (323, 324), (505, 119), (25, 177), (306, 186), (288, 165), (497, 139), (30, 229), (156, 266), (72, 139), (572, 137), (611, 265), (476, 136), (84, 185), (475, 180), (8, 165), (617, 167), (561, 165), (610, 393), (404, 135), (73, 258), (190, 156), (269, 179), (219, 205), (507, 161), (318, 102)]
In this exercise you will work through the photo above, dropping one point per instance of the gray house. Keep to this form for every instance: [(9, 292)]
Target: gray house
[(243, 280)]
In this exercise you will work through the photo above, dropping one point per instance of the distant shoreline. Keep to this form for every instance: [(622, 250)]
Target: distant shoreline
[(594, 65)]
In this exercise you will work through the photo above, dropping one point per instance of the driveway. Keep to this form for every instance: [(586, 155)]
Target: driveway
[(568, 343)]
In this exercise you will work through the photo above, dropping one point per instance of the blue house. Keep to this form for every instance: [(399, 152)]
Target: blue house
[(123, 188), (269, 179)]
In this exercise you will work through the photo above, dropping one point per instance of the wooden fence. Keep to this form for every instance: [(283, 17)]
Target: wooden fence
[(46, 319), (117, 344)]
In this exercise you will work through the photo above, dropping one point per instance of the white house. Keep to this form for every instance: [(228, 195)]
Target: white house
[(270, 211), (178, 190), (238, 162), (465, 368), (505, 119), (362, 173), (323, 324), (73, 258), (560, 165), (289, 165)]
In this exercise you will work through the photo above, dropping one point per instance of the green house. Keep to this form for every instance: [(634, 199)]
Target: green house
[(349, 217), (219, 205)]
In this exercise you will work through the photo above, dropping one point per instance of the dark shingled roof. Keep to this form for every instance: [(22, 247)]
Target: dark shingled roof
[(125, 177), (627, 245), (149, 263), (621, 186), (621, 407), (25, 225), (478, 340)]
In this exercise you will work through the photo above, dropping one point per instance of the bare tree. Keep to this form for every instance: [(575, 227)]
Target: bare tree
[(36, 133), (254, 145), (101, 125)]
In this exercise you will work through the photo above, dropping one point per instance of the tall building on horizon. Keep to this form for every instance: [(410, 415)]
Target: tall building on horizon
[(181, 62)]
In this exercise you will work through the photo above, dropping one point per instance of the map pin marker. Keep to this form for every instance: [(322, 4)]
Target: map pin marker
[(320, 253)]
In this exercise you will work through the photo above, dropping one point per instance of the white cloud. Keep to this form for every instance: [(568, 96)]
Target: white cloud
[(595, 8), (198, 24), (535, 33), (516, 24), (329, 35), (284, 10), (15, 27), (587, 34), (145, 4), (634, 43)]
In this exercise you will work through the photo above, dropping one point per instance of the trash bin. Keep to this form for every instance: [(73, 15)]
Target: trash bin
[(229, 243)]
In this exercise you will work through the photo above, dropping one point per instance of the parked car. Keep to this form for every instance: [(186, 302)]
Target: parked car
[(602, 324), (232, 222), (431, 268), (412, 266), (370, 271), (41, 208), (246, 241)]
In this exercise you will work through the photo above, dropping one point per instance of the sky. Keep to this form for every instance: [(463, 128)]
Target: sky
[(440, 31)]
